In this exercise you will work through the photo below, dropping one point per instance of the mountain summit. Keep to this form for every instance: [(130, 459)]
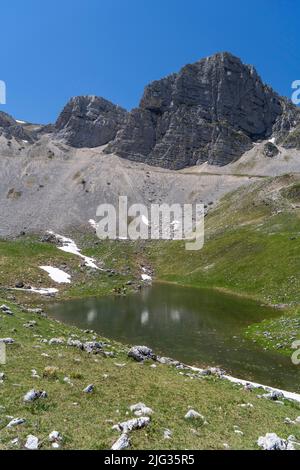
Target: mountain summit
[(211, 111)]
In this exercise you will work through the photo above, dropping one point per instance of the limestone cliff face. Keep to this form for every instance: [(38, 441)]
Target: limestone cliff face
[(89, 121), (212, 111)]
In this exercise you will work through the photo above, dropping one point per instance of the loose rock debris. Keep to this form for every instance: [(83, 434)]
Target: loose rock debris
[(33, 395), (132, 424)]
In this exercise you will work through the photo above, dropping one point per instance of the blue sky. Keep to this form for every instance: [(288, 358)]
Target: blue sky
[(54, 49)]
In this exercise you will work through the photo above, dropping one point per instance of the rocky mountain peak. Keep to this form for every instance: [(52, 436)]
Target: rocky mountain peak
[(212, 110), (12, 129), (89, 121)]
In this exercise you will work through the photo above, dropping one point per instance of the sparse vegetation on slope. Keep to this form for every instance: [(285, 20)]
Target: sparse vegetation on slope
[(252, 248), (85, 420)]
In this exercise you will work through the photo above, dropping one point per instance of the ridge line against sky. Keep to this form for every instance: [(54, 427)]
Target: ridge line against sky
[(56, 49)]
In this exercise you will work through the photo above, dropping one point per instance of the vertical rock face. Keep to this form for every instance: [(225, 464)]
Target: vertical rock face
[(212, 111), (89, 121)]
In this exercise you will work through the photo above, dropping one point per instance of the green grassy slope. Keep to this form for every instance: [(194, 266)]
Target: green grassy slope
[(252, 248), (85, 421)]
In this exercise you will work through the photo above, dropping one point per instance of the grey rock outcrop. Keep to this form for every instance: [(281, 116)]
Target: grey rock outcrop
[(89, 121), (141, 353), (270, 150), (9, 128), (211, 111)]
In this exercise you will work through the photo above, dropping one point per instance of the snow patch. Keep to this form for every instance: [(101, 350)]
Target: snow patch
[(57, 274), (287, 395), (41, 291), (145, 276), (69, 246)]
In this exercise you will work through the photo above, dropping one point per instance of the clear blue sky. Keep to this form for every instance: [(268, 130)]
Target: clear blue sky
[(54, 49)]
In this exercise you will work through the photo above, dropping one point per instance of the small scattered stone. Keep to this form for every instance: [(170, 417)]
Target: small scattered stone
[(167, 434), (6, 310), (30, 324), (75, 343), (140, 409), (32, 442), (19, 284), (16, 422), (56, 341), (67, 380), (89, 389), (192, 414), (93, 347), (34, 374), (122, 443), (15, 442), (7, 340), (56, 439), (274, 395), (33, 395), (290, 421)]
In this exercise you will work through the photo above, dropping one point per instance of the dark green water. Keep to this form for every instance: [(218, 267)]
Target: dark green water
[(196, 326)]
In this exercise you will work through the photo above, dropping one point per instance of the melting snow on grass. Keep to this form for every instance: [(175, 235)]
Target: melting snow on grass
[(57, 274), (41, 291), (69, 246), (145, 276)]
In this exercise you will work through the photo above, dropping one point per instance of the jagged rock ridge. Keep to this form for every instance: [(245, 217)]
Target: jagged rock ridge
[(10, 128), (89, 121), (211, 111)]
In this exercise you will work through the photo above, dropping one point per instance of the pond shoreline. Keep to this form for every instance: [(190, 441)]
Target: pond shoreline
[(196, 326)]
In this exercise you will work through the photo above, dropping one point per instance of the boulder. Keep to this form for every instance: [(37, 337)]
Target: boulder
[(272, 442), (132, 424), (141, 353), (270, 150)]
